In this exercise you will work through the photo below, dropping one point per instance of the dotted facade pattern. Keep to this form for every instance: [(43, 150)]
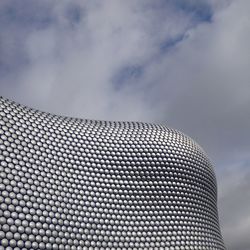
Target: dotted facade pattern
[(69, 183)]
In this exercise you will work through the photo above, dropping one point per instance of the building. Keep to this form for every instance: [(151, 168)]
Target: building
[(82, 184)]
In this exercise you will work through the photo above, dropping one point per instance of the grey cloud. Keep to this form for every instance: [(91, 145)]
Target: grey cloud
[(83, 60), (202, 85), (234, 204)]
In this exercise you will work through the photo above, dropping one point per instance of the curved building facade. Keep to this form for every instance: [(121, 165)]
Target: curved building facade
[(68, 183)]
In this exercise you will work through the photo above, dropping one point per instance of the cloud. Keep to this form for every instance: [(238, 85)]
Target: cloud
[(209, 71), (234, 204), (68, 54), (183, 63)]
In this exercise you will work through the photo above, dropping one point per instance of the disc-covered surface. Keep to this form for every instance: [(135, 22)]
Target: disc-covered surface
[(68, 183)]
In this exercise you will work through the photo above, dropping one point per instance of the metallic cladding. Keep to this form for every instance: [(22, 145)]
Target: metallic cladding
[(68, 183)]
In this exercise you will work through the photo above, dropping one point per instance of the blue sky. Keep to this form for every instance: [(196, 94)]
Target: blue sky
[(182, 63)]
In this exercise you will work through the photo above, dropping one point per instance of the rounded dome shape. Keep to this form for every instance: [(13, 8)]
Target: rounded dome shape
[(68, 183)]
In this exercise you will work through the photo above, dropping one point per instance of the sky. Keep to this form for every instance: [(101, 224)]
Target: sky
[(182, 63)]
